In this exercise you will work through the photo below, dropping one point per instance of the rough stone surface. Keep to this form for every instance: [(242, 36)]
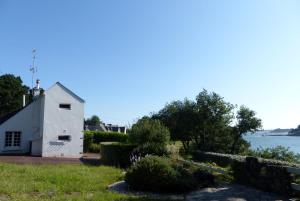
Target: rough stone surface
[(232, 193), (225, 193), (264, 174)]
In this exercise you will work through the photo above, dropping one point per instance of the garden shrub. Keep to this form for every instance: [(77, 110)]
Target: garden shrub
[(150, 149), (87, 141), (96, 137), (204, 178), (172, 151), (277, 153), (94, 148), (116, 154), (147, 130), (159, 174)]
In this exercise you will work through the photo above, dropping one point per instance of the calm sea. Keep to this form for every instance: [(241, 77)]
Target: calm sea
[(265, 139)]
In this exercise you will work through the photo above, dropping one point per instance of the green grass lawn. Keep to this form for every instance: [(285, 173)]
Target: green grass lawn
[(59, 182)]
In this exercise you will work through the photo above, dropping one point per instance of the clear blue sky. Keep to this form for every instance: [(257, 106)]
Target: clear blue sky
[(128, 58)]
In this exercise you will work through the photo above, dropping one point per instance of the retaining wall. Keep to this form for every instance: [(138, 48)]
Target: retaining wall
[(268, 175)]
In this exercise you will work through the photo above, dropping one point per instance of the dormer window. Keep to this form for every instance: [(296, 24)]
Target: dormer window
[(65, 106)]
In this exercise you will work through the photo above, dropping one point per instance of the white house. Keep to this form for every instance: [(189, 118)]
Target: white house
[(50, 126)]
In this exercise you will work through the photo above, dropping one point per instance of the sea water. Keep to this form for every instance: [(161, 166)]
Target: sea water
[(265, 139)]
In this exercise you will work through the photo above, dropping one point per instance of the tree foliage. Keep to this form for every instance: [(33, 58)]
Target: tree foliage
[(246, 122), (207, 122), (179, 117), (147, 130), (11, 93), (214, 118), (93, 121)]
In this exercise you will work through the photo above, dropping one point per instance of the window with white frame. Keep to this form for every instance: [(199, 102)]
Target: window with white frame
[(12, 139)]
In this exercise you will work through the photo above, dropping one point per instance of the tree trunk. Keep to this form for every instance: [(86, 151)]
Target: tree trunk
[(233, 147)]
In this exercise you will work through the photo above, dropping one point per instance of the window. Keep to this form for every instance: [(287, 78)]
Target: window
[(8, 139), (64, 137), (12, 139), (65, 106)]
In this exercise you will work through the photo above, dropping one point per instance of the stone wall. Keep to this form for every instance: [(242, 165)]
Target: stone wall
[(264, 174)]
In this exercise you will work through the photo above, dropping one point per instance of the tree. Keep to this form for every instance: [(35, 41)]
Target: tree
[(246, 122), (207, 122), (147, 130), (180, 117), (213, 121), (93, 121), (11, 93)]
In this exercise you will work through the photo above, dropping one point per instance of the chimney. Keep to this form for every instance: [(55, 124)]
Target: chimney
[(37, 84), (36, 89), (24, 100)]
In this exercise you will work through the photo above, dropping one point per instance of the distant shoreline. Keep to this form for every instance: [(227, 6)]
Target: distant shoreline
[(284, 135)]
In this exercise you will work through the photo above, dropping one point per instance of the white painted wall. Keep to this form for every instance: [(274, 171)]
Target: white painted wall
[(59, 121), (28, 122)]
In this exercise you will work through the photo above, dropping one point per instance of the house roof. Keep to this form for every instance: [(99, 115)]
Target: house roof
[(10, 115), (68, 91)]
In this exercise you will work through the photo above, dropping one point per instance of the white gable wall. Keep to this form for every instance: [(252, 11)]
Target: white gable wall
[(59, 121), (28, 122)]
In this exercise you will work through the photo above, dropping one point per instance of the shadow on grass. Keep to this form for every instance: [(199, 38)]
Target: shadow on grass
[(139, 199), (90, 161)]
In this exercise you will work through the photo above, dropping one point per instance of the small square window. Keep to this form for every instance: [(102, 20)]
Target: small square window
[(64, 137), (65, 106)]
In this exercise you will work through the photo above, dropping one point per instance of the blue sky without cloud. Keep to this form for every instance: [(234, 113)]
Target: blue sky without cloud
[(128, 58)]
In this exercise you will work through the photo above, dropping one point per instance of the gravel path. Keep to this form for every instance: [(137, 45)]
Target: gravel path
[(227, 193)]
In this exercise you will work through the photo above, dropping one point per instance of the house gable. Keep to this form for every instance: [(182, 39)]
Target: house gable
[(67, 90), (63, 119)]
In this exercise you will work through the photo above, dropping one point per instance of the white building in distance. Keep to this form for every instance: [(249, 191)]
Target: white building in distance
[(50, 126)]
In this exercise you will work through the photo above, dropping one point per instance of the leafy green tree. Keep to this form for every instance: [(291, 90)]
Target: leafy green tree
[(11, 93), (93, 121), (180, 117), (246, 122), (207, 122), (214, 118), (147, 130)]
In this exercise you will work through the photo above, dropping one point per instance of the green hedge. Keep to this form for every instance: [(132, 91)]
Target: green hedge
[(116, 154), (96, 137)]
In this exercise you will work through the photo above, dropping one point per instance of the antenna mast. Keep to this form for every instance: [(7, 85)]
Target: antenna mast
[(33, 68)]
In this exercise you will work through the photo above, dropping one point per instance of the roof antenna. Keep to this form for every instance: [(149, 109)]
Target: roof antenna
[(33, 68)]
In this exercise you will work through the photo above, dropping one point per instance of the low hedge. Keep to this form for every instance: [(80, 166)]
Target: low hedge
[(94, 148), (96, 137), (116, 154)]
